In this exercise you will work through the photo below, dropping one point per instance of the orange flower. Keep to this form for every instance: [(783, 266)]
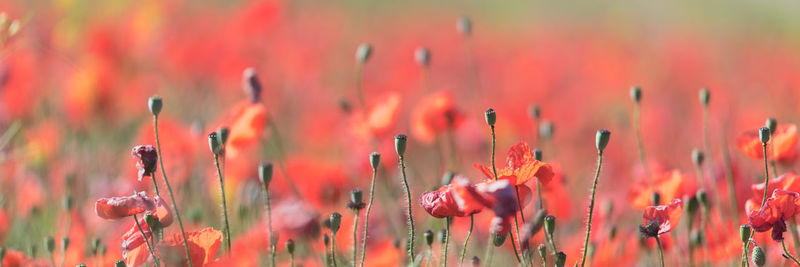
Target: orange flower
[(788, 181), (669, 185), (379, 119), (520, 166), (246, 125), (119, 207), (783, 143), (203, 245), (496, 195), (781, 206), (657, 220), (435, 114)]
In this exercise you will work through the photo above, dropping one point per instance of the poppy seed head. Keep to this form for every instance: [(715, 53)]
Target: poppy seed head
[(764, 134), (363, 53), (650, 229), (705, 96), (147, 159)]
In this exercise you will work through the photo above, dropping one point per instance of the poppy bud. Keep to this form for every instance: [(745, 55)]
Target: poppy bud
[(50, 244), (550, 224), (476, 261), (697, 237), (537, 154), (612, 232), (448, 177), (464, 26), (607, 208), (224, 132), (601, 139), (67, 202), (152, 221), (534, 111), (491, 116), (546, 130), (290, 246), (80, 265), (400, 141), (119, 263), (213, 143), (64, 243), (95, 245), (265, 173), (498, 239), (363, 52), (691, 205), (705, 96), (428, 237), (335, 222), (542, 250), (655, 198), (702, 198), (356, 200), (763, 133), (375, 160), (744, 232), (636, 94), (326, 239), (771, 123), (758, 256), (698, 157), (422, 56), (251, 84), (561, 259), (442, 236), (345, 106), (155, 103)]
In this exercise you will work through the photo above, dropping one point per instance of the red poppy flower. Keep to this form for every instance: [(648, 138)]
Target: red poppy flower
[(520, 166), (442, 202), (246, 125), (203, 245), (292, 217), (119, 207), (435, 114), (147, 159), (15, 258), (669, 185), (379, 119), (788, 181), (781, 206), (782, 144), (496, 195), (657, 220)]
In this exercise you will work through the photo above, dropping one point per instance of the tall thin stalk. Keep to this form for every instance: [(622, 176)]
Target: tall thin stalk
[(224, 203), (375, 159), (466, 241), (601, 141)]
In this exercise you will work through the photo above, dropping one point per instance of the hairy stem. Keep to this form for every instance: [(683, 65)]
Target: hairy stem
[(366, 216), (591, 208), (224, 204), (410, 218), (149, 247), (466, 241)]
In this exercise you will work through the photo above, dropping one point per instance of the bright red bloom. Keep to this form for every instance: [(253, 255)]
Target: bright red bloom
[(788, 181), (203, 245), (120, 207), (435, 114), (782, 144), (669, 185), (781, 206), (496, 195), (665, 217), (520, 166), (443, 203)]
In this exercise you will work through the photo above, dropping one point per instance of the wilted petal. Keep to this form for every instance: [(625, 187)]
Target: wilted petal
[(119, 207), (666, 216)]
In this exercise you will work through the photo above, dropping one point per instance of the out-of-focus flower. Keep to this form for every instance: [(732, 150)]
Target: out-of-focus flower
[(783, 143), (496, 195), (203, 245), (147, 159), (781, 206), (379, 119), (788, 181), (435, 114), (669, 185), (657, 220), (247, 121), (520, 167), (120, 207), (292, 217), (442, 203)]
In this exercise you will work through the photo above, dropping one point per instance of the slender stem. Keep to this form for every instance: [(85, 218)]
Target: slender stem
[(729, 178), (660, 251), (494, 144), (591, 208), (448, 221), (355, 239), (282, 155), (224, 204), (272, 251), (551, 241), (636, 119), (745, 260), (514, 245), (427, 85), (706, 142), (689, 223), (291, 259), (766, 176), (795, 235), (269, 221), (366, 216), (333, 248), (410, 218), (540, 203), (149, 247), (788, 254), (171, 195), (522, 216), (359, 86), (489, 252), (466, 241)]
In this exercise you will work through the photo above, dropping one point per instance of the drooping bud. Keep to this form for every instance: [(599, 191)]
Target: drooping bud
[(448, 177), (705, 96), (550, 224), (702, 198), (290, 246), (152, 221), (356, 200), (636, 94), (375, 160), (698, 157), (119, 263), (265, 173), (428, 237), (763, 134), (251, 85), (546, 130), (758, 256), (534, 111), (655, 198), (155, 103), (422, 56), (224, 132), (213, 143), (537, 154), (400, 141), (561, 259), (744, 232), (772, 124), (601, 139), (491, 116), (50, 244), (335, 222), (542, 248), (498, 239), (363, 52), (464, 26)]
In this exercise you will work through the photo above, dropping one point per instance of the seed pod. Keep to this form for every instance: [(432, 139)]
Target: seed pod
[(265, 173), (290, 246), (705, 96), (636, 94), (335, 222), (763, 134), (491, 116), (698, 157), (155, 103), (375, 160), (363, 53), (744, 232), (759, 257), (428, 237), (601, 139), (400, 141), (561, 259)]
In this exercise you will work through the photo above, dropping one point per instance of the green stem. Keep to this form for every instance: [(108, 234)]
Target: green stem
[(540, 203), (272, 251), (355, 239), (333, 248), (660, 251), (171, 195), (689, 237), (489, 252), (282, 156), (359, 86), (788, 254), (729, 178), (745, 259), (224, 204), (514, 245), (766, 176), (410, 218), (466, 241), (269, 221), (494, 143), (591, 208), (149, 247), (366, 216), (636, 119), (291, 259), (522, 217), (448, 221)]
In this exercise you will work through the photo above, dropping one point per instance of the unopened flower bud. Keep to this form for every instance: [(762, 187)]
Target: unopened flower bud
[(428, 237), (119, 263), (546, 130), (601, 139), (155, 103), (335, 222), (612, 233), (422, 56), (772, 124), (607, 208), (691, 205), (561, 259), (290, 246), (251, 85), (64, 243), (698, 157), (80, 265), (400, 141), (95, 245), (696, 237), (224, 132), (498, 239), (152, 221), (448, 177), (375, 160), (491, 116), (326, 239), (50, 244), (363, 52), (655, 198), (542, 248), (550, 224), (705, 96), (534, 111), (2, 253), (763, 134), (67, 202), (356, 200), (213, 143), (744, 232), (464, 26), (758, 256), (636, 94), (537, 154), (265, 173), (702, 198)]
